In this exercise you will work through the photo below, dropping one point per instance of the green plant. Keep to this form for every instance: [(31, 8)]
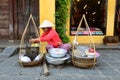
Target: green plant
[(61, 16)]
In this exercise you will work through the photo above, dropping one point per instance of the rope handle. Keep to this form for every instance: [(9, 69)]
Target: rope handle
[(26, 27), (91, 39)]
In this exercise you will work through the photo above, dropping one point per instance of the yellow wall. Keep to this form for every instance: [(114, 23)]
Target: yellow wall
[(47, 11), (110, 26), (111, 17)]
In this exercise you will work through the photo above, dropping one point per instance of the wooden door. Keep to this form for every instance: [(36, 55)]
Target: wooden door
[(6, 22), (14, 15), (117, 20), (24, 9)]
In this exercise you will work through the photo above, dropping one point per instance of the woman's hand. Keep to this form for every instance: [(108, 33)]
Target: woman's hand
[(59, 43), (35, 40), (32, 40)]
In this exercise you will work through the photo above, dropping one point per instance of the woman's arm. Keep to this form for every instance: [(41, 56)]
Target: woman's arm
[(47, 37), (34, 40)]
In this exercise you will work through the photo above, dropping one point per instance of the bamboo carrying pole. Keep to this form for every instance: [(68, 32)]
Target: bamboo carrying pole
[(45, 68)]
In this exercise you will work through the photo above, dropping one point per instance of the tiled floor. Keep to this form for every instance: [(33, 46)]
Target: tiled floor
[(108, 68)]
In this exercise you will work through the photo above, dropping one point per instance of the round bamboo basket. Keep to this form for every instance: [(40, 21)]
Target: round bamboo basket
[(84, 62), (80, 61), (32, 63)]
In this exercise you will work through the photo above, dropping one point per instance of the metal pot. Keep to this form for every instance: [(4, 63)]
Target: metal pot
[(57, 61)]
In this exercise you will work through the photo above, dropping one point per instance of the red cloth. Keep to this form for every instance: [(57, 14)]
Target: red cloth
[(51, 37)]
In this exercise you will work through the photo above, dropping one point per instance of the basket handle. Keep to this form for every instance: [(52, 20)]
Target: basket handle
[(26, 27), (91, 39)]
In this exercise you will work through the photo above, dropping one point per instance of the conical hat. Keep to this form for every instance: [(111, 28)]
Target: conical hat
[(46, 23)]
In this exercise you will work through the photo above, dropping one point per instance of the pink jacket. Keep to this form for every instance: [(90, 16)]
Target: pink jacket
[(51, 37)]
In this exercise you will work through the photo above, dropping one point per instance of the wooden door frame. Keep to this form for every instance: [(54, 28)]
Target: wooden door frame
[(13, 29), (15, 19), (11, 26)]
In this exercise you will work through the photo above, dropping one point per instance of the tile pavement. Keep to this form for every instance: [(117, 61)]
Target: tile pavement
[(107, 68)]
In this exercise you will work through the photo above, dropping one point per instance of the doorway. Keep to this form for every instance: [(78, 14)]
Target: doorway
[(14, 15), (24, 9), (96, 15), (117, 20), (6, 22)]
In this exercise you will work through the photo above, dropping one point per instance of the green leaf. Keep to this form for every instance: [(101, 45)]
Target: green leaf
[(61, 16)]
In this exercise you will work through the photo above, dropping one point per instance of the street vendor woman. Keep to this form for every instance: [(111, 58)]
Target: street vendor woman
[(51, 37)]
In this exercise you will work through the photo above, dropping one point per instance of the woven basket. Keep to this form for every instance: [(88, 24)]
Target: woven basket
[(84, 62), (32, 63)]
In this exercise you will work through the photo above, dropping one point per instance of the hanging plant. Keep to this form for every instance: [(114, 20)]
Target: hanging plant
[(61, 16)]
